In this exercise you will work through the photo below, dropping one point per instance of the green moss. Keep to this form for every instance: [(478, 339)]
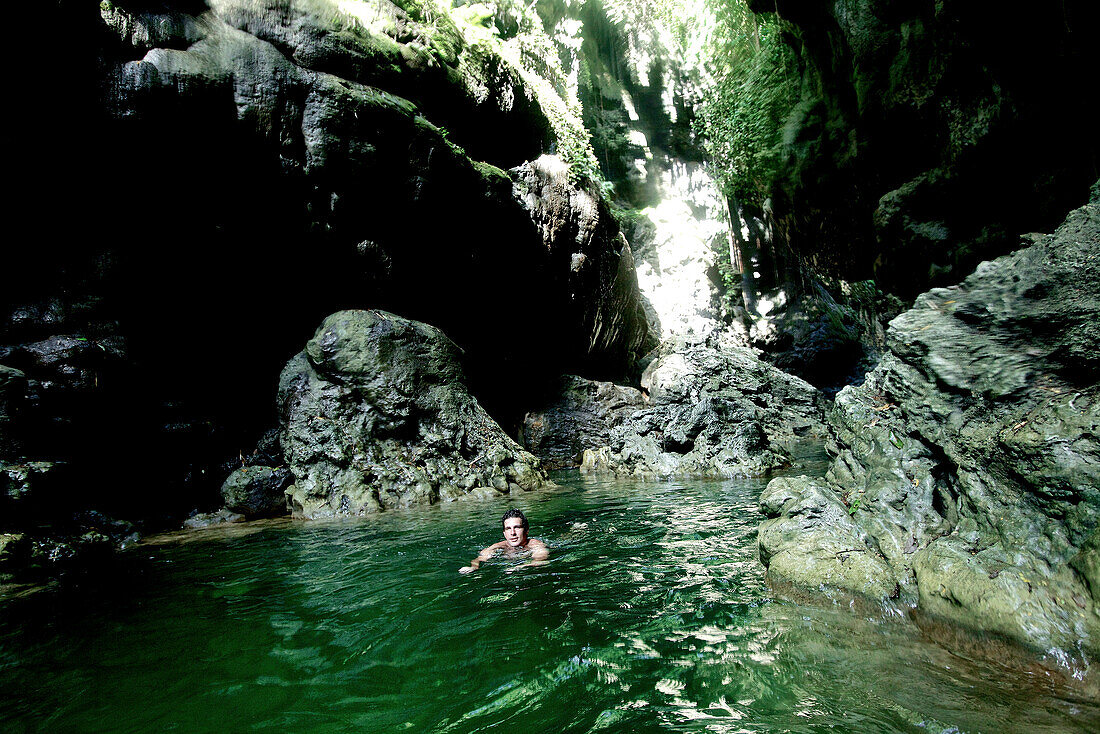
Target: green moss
[(479, 14), (481, 47), (492, 173), (379, 98), (530, 56), (756, 87), (439, 31)]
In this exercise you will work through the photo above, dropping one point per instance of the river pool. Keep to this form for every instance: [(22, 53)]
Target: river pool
[(651, 615)]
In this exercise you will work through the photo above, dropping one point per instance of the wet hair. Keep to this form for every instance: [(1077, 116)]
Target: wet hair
[(514, 513)]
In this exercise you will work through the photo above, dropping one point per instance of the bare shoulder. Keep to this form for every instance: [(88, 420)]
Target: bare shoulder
[(538, 549)]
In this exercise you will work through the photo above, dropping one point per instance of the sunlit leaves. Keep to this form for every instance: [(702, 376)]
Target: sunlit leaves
[(755, 86)]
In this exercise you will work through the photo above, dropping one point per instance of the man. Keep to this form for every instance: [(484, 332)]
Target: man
[(515, 542)]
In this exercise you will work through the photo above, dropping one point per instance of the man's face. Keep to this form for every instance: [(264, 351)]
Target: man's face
[(514, 532)]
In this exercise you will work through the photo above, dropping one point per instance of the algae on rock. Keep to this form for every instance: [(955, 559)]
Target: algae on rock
[(376, 415)]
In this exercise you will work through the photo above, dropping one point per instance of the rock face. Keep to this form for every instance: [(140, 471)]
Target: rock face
[(376, 415), (256, 491), (636, 89), (708, 408), (246, 167), (580, 417), (811, 541), (604, 300), (967, 466), (925, 142)]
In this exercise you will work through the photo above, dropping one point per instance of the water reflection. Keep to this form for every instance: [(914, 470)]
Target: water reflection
[(651, 615)]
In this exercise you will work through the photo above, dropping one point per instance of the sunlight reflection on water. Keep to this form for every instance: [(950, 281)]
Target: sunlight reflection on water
[(651, 615)]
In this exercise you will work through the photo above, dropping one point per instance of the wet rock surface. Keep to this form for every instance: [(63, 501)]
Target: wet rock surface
[(224, 516), (707, 408), (257, 491), (969, 461), (810, 541), (71, 546), (376, 415)]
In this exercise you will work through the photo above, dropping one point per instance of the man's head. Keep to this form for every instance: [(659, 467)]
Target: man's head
[(515, 528)]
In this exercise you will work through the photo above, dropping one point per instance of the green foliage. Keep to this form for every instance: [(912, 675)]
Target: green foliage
[(731, 279), (756, 85), (511, 30)]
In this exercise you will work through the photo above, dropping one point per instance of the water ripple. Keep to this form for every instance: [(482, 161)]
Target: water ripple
[(651, 615)]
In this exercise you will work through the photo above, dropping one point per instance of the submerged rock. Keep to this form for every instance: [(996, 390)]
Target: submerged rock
[(969, 460), (376, 415), (707, 408)]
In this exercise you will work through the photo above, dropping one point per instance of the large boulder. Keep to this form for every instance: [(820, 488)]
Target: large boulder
[(256, 491), (707, 408), (969, 460), (376, 415)]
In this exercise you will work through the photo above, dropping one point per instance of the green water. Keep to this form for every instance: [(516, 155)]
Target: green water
[(652, 615)]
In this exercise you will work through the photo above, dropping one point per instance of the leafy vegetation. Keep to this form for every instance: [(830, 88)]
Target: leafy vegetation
[(755, 86), (513, 31)]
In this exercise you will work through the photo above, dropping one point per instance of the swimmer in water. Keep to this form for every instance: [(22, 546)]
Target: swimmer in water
[(515, 542)]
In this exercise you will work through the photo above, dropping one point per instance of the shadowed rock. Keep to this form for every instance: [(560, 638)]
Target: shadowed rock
[(923, 142), (256, 491), (361, 146), (707, 408), (375, 416), (13, 385), (969, 460), (580, 417)]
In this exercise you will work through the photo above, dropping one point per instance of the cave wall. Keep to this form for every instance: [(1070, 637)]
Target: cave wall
[(931, 134), (209, 180), (931, 143)]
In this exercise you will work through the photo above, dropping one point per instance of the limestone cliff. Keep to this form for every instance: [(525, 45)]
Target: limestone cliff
[(967, 471), (211, 179)]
